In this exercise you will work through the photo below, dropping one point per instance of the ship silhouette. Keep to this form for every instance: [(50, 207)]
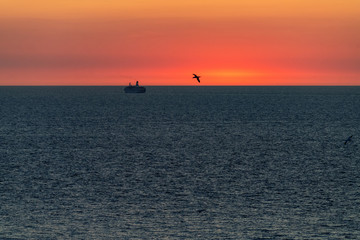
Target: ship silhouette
[(135, 89)]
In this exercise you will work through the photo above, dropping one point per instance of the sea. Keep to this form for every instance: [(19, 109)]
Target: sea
[(184, 162)]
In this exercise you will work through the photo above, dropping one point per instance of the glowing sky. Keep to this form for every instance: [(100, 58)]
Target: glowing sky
[(162, 42)]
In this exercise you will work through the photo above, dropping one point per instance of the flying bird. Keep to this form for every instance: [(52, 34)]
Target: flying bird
[(197, 77), (348, 140)]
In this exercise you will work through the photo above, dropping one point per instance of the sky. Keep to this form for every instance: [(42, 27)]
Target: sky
[(162, 42)]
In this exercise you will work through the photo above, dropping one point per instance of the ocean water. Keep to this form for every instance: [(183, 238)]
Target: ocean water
[(179, 163)]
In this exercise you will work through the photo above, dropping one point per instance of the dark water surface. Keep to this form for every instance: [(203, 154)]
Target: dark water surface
[(179, 163)]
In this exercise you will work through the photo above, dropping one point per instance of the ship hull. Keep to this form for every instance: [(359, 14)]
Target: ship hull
[(135, 89)]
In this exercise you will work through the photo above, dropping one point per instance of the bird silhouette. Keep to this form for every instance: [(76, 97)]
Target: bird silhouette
[(348, 140), (197, 77)]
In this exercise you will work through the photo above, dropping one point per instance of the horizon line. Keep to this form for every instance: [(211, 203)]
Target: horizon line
[(330, 85)]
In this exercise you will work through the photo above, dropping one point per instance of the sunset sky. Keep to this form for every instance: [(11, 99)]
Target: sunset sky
[(162, 42)]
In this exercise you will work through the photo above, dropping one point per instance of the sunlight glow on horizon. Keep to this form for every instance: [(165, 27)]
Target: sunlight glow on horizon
[(158, 42)]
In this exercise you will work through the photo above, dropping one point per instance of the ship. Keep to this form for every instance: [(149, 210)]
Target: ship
[(134, 89)]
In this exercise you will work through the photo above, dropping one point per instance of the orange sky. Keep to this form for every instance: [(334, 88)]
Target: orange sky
[(158, 42)]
